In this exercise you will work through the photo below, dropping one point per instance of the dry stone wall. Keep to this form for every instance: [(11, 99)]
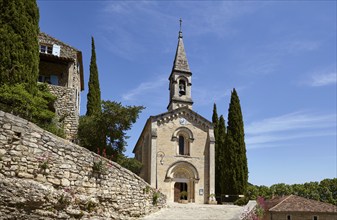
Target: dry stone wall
[(66, 110), (43, 176)]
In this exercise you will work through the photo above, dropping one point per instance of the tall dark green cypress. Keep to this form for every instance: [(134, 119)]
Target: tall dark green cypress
[(215, 121), (221, 148), (19, 50), (94, 93), (237, 178)]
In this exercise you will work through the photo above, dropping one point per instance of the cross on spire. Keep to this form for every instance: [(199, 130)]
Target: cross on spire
[(180, 32), (180, 21)]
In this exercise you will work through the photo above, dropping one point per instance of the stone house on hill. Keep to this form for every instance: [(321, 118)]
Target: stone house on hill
[(176, 148), (298, 208), (61, 67)]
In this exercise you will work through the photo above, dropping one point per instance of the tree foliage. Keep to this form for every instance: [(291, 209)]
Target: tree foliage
[(324, 191), (107, 129), (19, 53), (94, 94), (20, 94), (131, 164), (36, 107), (215, 121), (222, 154), (235, 156)]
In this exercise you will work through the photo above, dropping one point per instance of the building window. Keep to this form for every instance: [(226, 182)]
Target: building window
[(181, 145), (184, 145), (46, 49), (52, 79), (288, 217), (315, 217), (183, 139), (44, 79)]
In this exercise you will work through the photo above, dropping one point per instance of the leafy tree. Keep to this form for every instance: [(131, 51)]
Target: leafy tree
[(94, 94), (252, 192), (131, 164), (329, 186), (281, 189), (264, 191), (324, 191), (19, 53), (107, 129), (236, 149)]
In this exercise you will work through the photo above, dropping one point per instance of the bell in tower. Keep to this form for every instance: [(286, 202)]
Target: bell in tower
[(180, 78), (182, 88)]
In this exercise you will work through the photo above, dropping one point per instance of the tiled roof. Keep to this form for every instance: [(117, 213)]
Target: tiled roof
[(67, 51), (270, 203), (294, 203)]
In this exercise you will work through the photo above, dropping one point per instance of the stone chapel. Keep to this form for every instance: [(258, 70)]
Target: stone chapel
[(176, 147)]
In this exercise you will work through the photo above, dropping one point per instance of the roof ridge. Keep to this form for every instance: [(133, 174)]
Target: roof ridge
[(64, 44), (280, 202), (182, 109), (314, 200)]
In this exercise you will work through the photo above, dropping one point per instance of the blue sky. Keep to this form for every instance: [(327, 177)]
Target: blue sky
[(279, 55)]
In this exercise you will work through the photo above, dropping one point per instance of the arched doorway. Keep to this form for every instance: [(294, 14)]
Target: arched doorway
[(178, 188), (183, 175)]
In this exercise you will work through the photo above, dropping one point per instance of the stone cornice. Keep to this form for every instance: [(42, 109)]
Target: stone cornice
[(185, 112)]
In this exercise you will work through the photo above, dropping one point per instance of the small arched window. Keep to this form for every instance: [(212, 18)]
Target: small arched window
[(183, 138), (181, 145), (182, 87)]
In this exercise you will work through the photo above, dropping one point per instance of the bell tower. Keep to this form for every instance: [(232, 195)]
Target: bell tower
[(180, 78)]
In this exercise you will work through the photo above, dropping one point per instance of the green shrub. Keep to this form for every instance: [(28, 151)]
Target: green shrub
[(155, 197), (131, 164), (36, 106), (241, 201), (183, 195)]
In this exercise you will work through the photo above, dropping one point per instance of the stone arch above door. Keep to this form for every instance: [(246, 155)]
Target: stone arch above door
[(182, 170)]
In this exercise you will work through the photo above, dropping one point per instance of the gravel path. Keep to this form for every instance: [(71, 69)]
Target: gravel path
[(197, 211)]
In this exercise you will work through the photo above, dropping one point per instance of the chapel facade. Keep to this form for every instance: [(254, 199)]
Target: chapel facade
[(176, 147)]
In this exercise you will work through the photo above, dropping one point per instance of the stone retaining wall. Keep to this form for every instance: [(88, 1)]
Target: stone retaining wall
[(43, 176), (66, 109)]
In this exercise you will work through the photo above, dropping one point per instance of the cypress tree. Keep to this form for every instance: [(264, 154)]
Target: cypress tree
[(19, 50), (94, 93), (215, 121), (221, 148), (237, 179)]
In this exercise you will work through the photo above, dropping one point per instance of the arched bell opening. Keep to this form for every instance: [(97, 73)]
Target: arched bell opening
[(182, 87)]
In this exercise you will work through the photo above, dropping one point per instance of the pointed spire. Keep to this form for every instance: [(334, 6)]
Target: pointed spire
[(180, 60)]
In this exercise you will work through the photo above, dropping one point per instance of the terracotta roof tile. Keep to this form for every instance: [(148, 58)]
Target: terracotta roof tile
[(294, 203)]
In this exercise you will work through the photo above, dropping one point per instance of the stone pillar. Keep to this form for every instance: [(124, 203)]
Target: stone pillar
[(192, 191), (211, 163), (154, 175)]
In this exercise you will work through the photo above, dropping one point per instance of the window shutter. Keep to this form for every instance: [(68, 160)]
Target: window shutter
[(56, 50)]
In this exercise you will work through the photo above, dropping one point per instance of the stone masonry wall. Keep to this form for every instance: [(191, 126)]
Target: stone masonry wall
[(66, 109), (43, 176)]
